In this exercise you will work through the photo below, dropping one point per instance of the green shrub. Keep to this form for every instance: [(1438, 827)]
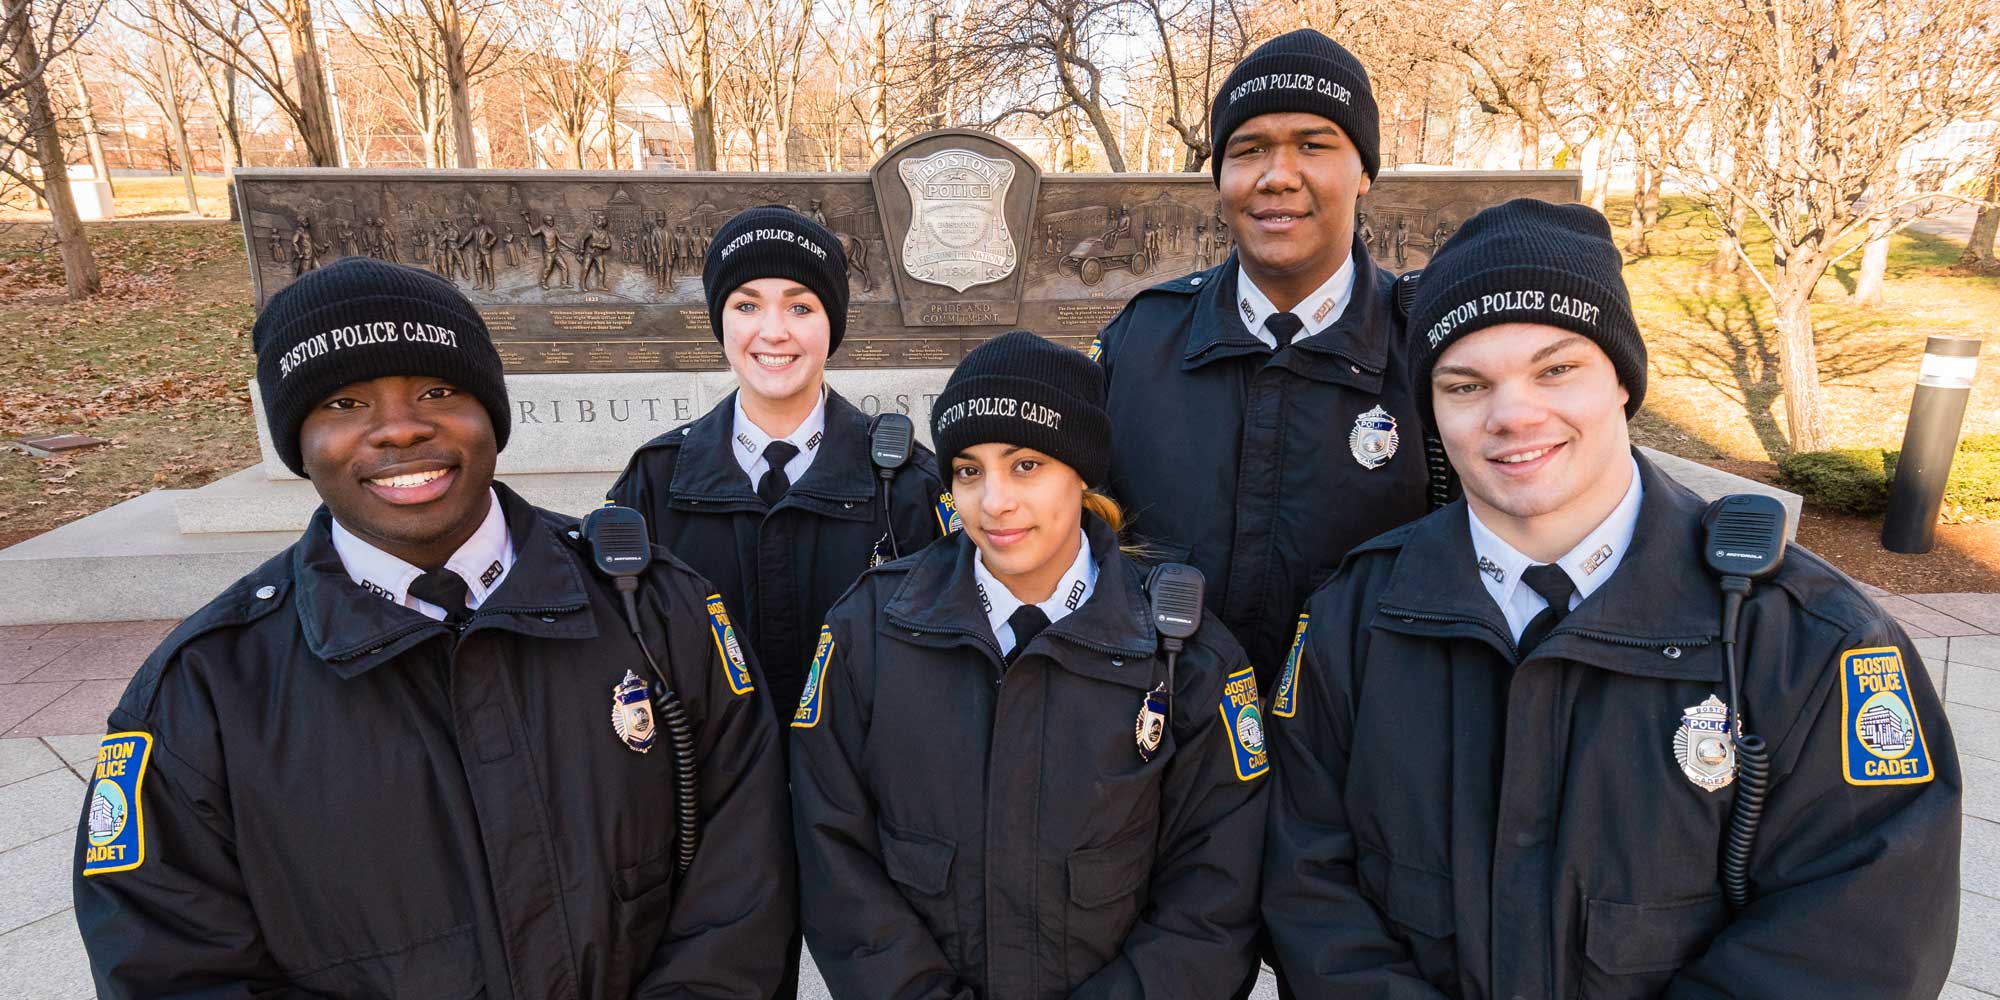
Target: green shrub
[(1857, 480), (1853, 480)]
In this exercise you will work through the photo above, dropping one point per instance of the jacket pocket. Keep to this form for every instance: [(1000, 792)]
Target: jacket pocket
[(635, 881), (1415, 899), (443, 967), (1626, 939), (920, 865), (1108, 888)]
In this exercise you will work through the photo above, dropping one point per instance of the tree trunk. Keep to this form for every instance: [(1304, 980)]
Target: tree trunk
[(701, 107), (315, 105), (1531, 144), (93, 139), (878, 77), (1635, 240), (1655, 177), (1799, 365), (79, 265), (1979, 249), (1596, 168), (1727, 259), (1874, 265), (178, 126), (458, 84)]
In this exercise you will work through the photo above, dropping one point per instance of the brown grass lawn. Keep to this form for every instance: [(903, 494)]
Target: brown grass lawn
[(159, 363), (137, 198)]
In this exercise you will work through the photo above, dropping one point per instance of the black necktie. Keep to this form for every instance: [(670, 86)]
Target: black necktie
[(445, 589), (772, 487), (1557, 588), (1284, 326), (1027, 621)]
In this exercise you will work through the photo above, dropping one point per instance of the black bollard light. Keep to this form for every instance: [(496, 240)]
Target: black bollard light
[(1936, 413)]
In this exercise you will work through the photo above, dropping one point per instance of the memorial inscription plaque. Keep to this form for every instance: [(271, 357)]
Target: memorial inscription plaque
[(953, 237)]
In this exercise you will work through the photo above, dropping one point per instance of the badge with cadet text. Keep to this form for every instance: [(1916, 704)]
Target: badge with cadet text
[(115, 830), (806, 716), (1373, 440), (734, 666), (1884, 743), (1245, 723), (947, 514), (1285, 702), (1150, 729), (1703, 746), (632, 712)]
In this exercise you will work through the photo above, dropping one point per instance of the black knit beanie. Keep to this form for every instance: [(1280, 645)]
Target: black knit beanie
[(1022, 390), (773, 241), (1300, 71), (358, 319), (1528, 261)]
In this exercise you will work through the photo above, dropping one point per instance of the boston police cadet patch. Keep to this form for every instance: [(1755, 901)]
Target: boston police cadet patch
[(947, 514), (733, 665), (1285, 703), (1096, 349), (115, 833), (632, 712), (1245, 724), (1884, 743), (813, 696)]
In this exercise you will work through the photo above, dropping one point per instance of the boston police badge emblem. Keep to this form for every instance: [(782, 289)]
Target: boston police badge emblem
[(1373, 440), (1703, 745), (632, 713), (1150, 730)]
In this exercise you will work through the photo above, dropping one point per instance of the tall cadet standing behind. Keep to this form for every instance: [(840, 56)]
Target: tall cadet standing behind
[(421, 752), (1003, 788), (1261, 414), (1508, 750), (771, 494)]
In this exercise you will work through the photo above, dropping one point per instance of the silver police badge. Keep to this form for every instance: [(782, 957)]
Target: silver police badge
[(1150, 729), (1703, 745), (958, 220), (632, 713), (1373, 439)]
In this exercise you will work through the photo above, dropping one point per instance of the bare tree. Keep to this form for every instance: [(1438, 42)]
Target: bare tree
[(684, 33), (1839, 90), (1979, 248), (32, 35), (1050, 47), (165, 75), (435, 47), (275, 45), (574, 58)]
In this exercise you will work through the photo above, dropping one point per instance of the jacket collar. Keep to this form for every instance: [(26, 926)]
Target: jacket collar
[(707, 471), (1657, 616), (1358, 339), (939, 595), (354, 630)]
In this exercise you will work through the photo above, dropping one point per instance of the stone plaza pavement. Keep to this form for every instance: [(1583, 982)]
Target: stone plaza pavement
[(58, 682)]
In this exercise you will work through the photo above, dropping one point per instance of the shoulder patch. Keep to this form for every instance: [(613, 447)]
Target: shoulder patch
[(115, 837), (1245, 723), (1285, 701), (813, 697), (1884, 743), (947, 514), (1096, 348), (734, 668)]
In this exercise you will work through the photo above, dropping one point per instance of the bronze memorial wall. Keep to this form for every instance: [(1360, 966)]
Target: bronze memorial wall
[(953, 237)]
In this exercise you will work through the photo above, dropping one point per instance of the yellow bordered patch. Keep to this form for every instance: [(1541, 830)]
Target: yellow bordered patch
[(947, 515), (1245, 723), (1096, 349), (115, 830), (810, 699), (1884, 739), (734, 667), (1285, 701)]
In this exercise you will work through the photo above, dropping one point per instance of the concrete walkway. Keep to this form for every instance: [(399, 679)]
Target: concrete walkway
[(57, 684)]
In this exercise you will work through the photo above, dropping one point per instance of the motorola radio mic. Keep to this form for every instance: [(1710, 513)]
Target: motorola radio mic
[(891, 440), (1176, 592), (1743, 541)]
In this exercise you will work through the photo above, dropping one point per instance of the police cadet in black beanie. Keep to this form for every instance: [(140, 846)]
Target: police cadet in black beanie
[(1512, 767), (771, 495), (415, 753), (1261, 411), (1000, 789)]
